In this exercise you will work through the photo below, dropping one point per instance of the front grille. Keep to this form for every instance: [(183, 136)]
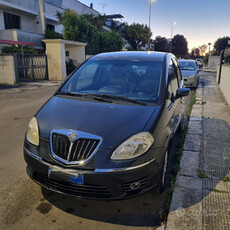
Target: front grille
[(86, 190), (78, 151)]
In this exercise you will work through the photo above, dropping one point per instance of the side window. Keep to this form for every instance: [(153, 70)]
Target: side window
[(178, 72), (173, 78), (86, 76)]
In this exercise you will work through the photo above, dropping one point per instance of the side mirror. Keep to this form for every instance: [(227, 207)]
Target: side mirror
[(182, 92)]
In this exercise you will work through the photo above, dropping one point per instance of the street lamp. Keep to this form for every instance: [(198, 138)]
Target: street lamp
[(150, 8), (173, 24), (209, 45)]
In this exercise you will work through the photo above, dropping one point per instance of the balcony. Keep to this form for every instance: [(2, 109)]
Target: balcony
[(18, 35)]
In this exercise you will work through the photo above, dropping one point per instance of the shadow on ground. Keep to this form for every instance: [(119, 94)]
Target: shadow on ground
[(139, 211)]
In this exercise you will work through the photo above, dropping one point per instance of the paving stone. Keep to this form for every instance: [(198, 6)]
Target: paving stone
[(192, 142), (216, 204), (189, 164), (186, 205), (194, 118), (197, 110), (195, 127)]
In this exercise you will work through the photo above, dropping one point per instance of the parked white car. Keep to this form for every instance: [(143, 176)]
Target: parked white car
[(190, 73), (199, 62)]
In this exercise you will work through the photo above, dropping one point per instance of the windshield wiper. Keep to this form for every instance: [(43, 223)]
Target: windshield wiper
[(71, 94), (85, 95), (121, 98)]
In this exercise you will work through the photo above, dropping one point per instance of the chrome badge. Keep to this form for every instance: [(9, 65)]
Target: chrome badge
[(72, 137)]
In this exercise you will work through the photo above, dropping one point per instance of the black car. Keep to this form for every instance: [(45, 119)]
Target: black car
[(106, 131)]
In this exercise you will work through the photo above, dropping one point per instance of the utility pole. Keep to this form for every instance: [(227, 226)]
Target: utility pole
[(173, 24), (150, 9)]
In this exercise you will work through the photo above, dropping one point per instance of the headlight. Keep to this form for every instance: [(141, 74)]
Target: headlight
[(32, 134), (191, 77), (133, 147)]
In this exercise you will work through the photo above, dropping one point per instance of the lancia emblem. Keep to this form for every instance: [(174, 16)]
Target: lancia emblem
[(72, 137)]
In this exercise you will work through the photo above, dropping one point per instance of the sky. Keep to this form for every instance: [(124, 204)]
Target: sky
[(200, 21)]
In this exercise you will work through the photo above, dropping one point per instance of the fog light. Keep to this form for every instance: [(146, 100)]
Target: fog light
[(135, 185)]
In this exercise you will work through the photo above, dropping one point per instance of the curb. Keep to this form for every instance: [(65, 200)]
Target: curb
[(188, 186)]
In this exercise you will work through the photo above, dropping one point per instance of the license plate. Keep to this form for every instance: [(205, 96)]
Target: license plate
[(77, 179)]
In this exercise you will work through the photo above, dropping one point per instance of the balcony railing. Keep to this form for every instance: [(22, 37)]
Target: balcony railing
[(18, 35)]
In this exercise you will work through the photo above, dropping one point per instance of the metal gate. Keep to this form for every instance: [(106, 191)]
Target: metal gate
[(30, 67)]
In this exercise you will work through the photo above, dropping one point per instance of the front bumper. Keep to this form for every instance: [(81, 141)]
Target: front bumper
[(100, 184)]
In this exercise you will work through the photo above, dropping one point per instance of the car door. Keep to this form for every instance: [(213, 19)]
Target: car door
[(173, 106)]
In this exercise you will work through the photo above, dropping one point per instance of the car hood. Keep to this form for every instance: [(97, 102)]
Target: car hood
[(188, 73), (113, 122)]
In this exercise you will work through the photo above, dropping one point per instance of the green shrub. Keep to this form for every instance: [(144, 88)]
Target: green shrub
[(51, 34), (17, 49), (110, 41)]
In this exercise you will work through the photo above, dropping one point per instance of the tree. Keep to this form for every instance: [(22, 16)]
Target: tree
[(161, 44), (98, 21), (179, 45), (136, 35), (69, 19), (110, 41), (51, 34), (203, 49), (195, 53), (221, 44), (87, 28)]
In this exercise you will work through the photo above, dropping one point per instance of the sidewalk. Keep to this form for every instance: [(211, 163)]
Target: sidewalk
[(23, 86), (201, 199), (206, 69)]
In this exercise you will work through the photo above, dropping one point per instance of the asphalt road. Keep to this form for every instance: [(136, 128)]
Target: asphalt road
[(23, 204)]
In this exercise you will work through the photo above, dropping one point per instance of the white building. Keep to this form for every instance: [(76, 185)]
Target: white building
[(27, 20)]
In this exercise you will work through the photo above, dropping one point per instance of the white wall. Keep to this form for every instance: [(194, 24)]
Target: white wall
[(79, 7), (213, 62), (225, 82), (28, 5), (28, 22), (51, 11), (7, 70)]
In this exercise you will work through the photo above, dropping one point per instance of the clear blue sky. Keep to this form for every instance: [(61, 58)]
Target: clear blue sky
[(200, 21)]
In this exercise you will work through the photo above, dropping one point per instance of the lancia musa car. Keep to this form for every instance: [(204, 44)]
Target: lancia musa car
[(190, 73), (105, 132)]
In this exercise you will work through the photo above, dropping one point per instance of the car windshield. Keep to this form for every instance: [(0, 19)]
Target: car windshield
[(187, 65), (135, 80)]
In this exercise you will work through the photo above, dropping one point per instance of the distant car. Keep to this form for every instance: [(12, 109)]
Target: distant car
[(190, 73), (199, 62), (105, 134)]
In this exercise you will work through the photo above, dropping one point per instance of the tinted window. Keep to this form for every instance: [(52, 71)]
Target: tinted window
[(173, 79), (11, 21), (187, 65), (50, 27), (134, 79)]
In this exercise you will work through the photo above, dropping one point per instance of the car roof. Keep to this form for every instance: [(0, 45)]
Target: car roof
[(132, 55)]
